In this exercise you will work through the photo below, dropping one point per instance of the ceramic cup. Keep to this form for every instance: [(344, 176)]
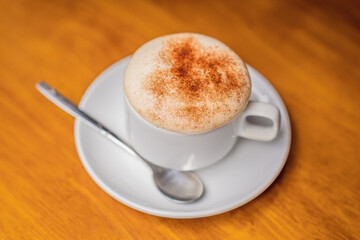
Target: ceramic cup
[(259, 121)]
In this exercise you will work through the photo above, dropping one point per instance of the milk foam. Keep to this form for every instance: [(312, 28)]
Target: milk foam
[(187, 83)]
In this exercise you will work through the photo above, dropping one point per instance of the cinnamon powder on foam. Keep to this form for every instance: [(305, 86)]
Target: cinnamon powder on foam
[(199, 86)]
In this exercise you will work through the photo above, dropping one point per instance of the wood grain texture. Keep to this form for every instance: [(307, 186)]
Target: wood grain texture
[(308, 50)]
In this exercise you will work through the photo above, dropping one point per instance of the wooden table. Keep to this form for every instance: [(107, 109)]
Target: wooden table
[(308, 50)]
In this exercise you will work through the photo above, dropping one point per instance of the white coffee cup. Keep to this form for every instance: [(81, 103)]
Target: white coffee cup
[(190, 151)]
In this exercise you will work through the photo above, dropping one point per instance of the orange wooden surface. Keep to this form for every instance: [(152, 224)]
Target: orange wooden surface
[(310, 51)]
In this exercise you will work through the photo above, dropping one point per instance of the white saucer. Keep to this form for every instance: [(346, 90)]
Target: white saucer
[(244, 174)]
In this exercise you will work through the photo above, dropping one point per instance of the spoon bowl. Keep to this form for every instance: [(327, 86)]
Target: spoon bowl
[(179, 186)]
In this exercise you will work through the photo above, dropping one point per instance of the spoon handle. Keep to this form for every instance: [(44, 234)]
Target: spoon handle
[(65, 104)]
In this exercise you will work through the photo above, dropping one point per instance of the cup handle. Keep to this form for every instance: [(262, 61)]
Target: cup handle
[(259, 121)]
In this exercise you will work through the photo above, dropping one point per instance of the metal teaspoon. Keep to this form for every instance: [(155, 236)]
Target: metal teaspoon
[(179, 186)]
